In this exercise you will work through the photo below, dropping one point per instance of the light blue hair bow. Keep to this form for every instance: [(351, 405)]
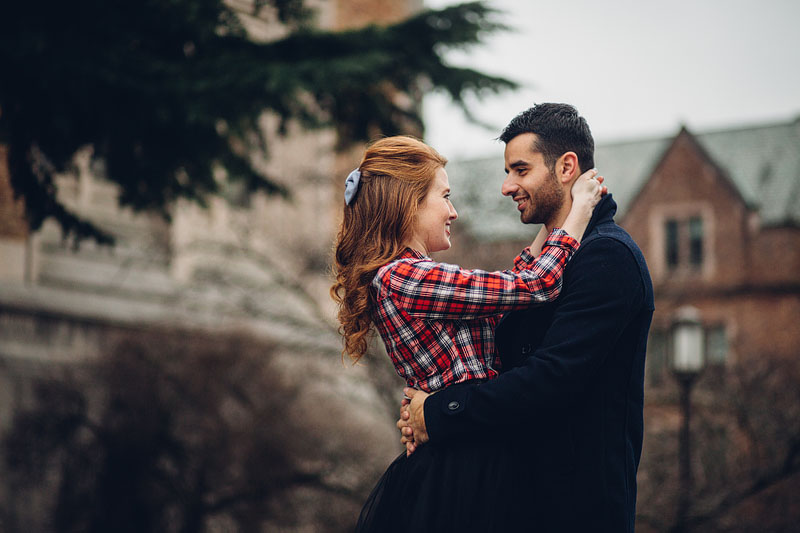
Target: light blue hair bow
[(351, 186)]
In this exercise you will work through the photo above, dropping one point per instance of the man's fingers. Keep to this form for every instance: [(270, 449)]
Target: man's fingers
[(410, 448), (404, 424), (417, 416)]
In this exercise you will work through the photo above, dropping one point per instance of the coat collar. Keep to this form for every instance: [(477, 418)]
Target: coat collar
[(604, 212)]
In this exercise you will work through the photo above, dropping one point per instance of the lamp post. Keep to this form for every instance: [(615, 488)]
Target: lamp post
[(687, 360)]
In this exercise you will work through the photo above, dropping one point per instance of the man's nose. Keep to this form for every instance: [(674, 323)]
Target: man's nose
[(509, 187)]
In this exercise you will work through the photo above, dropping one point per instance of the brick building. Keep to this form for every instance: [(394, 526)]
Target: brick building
[(719, 221)]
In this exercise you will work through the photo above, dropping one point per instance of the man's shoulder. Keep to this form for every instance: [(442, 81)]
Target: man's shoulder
[(610, 230), (608, 237), (615, 246)]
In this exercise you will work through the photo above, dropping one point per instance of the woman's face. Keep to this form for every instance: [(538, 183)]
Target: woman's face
[(432, 224)]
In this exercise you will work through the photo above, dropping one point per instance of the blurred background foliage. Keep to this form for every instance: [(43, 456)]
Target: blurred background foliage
[(168, 433), (168, 91)]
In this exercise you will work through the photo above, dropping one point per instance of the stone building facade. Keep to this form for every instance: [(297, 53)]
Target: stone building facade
[(253, 268)]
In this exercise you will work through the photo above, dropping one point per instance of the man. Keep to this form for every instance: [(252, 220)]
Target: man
[(572, 389)]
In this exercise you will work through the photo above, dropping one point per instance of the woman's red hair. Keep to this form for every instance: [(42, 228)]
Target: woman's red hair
[(396, 175)]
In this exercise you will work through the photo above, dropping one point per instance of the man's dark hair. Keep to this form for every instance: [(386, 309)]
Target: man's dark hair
[(559, 129)]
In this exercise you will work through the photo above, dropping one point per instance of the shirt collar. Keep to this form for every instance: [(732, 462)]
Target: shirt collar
[(410, 253)]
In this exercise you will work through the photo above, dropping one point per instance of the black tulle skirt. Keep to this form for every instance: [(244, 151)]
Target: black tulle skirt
[(466, 486)]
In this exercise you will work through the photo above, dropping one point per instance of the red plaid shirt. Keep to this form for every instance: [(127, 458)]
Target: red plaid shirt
[(437, 320)]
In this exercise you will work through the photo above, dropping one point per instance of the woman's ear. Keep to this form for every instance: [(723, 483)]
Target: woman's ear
[(567, 167)]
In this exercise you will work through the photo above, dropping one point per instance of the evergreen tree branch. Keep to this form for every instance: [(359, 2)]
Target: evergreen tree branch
[(166, 91)]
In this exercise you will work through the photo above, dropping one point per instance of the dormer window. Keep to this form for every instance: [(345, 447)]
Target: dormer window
[(696, 242), (672, 242), (684, 242)]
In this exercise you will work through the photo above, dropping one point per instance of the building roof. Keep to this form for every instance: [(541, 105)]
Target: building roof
[(762, 161)]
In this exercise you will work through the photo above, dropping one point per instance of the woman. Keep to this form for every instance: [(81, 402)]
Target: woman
[(437, 322)]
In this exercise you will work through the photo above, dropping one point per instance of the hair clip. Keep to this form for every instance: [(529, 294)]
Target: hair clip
[(351, 186)]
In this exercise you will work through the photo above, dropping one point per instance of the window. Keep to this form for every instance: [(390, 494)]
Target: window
[(696, 241), (684, 243), (716, 345), (656, 361), (672, 243)]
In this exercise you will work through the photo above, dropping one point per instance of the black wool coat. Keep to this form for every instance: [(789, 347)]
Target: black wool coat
[(571, 390)]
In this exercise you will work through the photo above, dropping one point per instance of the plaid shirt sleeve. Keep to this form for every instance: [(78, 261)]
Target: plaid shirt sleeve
[(427, 289)]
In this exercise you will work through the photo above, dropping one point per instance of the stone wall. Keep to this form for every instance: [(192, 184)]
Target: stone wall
[(13, 227)]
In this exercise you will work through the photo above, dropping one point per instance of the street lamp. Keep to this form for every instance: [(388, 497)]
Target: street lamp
[(687, 359)]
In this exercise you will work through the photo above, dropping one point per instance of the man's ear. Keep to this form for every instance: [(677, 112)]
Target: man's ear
[(567, 168)]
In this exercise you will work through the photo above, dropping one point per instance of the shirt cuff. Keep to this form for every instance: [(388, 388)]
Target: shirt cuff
[(562, 239), (558, 237)]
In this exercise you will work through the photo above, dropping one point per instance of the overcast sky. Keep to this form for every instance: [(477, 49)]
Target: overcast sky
[(632, 68)]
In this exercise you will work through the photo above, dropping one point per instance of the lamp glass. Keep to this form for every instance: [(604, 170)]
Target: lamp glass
[(689, 344)]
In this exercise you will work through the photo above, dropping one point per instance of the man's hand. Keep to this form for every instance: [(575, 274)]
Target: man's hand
[(406, 433), (412, 420)]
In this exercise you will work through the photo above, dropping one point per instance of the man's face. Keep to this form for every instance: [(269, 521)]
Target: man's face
[(531, 184)]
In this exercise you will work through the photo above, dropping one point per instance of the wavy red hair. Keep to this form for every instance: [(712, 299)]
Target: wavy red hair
[(396, 175)]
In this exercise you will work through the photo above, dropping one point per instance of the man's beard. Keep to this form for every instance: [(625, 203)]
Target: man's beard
[(548, 201)]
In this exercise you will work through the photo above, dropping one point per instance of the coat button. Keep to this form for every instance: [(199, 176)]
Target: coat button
[(453, 406)]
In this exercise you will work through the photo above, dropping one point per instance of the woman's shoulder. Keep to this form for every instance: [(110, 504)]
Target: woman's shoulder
[(409, 267), (400, 265)]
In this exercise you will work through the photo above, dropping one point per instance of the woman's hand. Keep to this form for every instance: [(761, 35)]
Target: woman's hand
[(586, 193), (588, 189)]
